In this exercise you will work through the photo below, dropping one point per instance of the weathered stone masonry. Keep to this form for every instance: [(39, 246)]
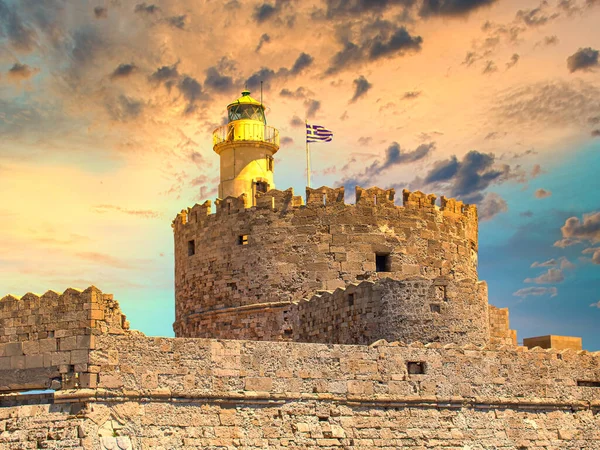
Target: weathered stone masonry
[(185, 393), (237, 269)]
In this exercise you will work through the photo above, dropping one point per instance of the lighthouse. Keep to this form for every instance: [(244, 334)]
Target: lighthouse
[(246, 146)]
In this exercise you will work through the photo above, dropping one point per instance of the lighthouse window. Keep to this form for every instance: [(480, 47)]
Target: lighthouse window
[(270, 163), (383, 262), (253, 112)]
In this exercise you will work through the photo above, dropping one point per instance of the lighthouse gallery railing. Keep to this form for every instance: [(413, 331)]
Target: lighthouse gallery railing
[(246, 132)]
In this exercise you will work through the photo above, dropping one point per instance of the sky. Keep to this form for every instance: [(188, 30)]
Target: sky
[(107, 109)]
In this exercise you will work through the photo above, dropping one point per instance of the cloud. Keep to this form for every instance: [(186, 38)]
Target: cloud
[(302, 62), (143, 8), (123, 71), (548, 104), (526, 213), (583, 59), (536, 291), (19, 72), (575, 230), (376, 42), (595, 133), (296, 122), (393, 156), (563, 263), (312, 107), (165, 74), (551, 276), (286, 141), (595, 252), (536, 16), (361, 86), (490, 67), (124, 108), (176, 21), (264, 39), (264, 12), (536, 171), (451, 8), (491, 205), (218, 82), (550, 263), (191, 90), (469, 177), (20, 35), (514, 59), (300, 92), (337, 8), (542, 193), (595, 305), (409, 95), (365, 140), (142, 213), (100, 12)]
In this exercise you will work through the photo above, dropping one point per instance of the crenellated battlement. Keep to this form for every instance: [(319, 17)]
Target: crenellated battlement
[(375, 197)]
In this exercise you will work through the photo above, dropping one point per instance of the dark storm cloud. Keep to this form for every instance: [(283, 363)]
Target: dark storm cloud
[(394, 156), (264, 39), (300, 92), (143, 8), (218, 82), (312, 107), (491, 205), (86, 44), (264, 12), (100, 12), (361, 87), (451, 7), (583, 59), (123, 71), (124, 108), (388, 41), (191, 90), (20, 35), (267, 75), (301, 63), (467, 179), (165, 73), (360, 7)]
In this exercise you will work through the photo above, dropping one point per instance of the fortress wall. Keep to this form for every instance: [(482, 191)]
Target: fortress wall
[(293, 251), (415, 309), (500, 331), (47, 338), (195, 393)]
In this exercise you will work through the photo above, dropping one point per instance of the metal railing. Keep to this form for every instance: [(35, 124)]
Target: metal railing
[(246, 132)]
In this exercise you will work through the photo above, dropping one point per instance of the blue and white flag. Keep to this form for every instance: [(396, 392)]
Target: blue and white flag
[(316, 133)]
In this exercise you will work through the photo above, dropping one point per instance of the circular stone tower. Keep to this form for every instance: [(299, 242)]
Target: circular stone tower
[(246, 146)]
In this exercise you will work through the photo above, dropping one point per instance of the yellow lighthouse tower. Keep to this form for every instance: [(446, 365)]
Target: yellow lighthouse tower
[(246, 146)]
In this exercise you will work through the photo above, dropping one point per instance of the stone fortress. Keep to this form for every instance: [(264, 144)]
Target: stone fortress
[(299, 323)]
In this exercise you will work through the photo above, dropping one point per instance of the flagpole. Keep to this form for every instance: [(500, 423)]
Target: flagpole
[(307, 159)]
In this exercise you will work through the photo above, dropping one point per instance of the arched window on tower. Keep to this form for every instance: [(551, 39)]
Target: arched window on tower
[(262, 186)]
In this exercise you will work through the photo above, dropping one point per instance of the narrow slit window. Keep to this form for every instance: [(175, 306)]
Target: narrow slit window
[(191, 247), (435, 308), (243, 239), (270, 163), (350, 299), (383, 262), (585, 383)]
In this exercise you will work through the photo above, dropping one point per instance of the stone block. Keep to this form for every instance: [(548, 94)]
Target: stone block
[(34, 361), (258, 384), (13, 349), (48, 345)]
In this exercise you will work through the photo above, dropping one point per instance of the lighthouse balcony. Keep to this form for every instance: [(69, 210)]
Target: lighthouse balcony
[(244, 131)]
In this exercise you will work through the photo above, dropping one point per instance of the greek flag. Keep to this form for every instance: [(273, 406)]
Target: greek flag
[(316, 133)]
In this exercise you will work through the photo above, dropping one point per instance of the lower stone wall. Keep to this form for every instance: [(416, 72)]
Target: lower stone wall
[(414, 309), (292, 425)]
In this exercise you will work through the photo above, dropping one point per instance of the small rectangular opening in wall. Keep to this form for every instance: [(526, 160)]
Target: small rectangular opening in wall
[(383, 262), (243, 239), (415, 367), (435, 308), (585, 383), (191, 247), (350, 299)]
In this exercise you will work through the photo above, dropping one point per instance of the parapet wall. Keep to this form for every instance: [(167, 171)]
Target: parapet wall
[(414, 309), (283, 251), (45, 340)]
